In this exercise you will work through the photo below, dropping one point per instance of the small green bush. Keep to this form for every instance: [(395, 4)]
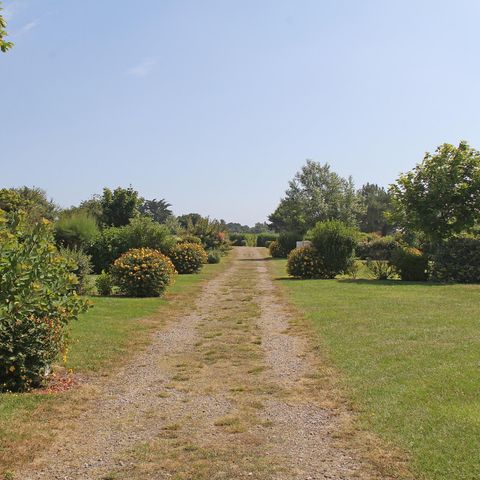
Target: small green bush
[(276, 250), (380, 248), (143, 272), (410, 264), (76, 230), (82, 267), (288, 241), (214, 256), (243, 239), (37, 302), (104, 284), (457, 260), (304, 262), (190, 239), (264, 239), (335, 243), (188, 257), (381, 269)]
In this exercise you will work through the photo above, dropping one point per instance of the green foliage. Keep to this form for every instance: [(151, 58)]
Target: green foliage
[(410, 263), (214, 256), (157, 210), (140, 232), (276, 250), (81, 267), (32, 201), (143, 272), (316, 194), (379, 248), (288, 241), (119, 206), (37, 301), (212, 233), (104, 284), (76, 230), (381, 269), (441, 196), (458, 260), (377, 203), (190, 239), (188, 257), (264, 239), (335, 242), (243, 239), (4, 44), (304, 262)]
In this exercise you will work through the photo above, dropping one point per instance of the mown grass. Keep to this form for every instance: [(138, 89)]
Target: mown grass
[(104, 336), (409, 357)]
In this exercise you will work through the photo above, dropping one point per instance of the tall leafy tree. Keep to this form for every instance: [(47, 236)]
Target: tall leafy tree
[(4, 44), (119, 206), (315, 194), (440, 197), (157, 210), (377, 204), (31, 200)]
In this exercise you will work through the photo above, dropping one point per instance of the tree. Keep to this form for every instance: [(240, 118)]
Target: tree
[(377, 203), (119, 206), (440, 197), (316, 194), (31, 200), (189, 218), (4, 45), (157, 210)]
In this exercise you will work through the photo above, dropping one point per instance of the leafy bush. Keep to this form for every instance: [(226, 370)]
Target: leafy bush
[(188, 257), (288, 241), (214, 256), (304, 262), (458, 260), (410, 263), (276, 250), (243, 239), (190, 239), (76, 230), (82, 267), (380, 248), (141, 232), (104, 284), (37, 301), (143, 272), (264, 239), (335, 243), (381, 269)]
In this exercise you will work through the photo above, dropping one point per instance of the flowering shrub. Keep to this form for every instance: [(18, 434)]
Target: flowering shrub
[(410, 264), (37, 301), (214, 256), (188, 257), (143, 272), (304, 262), (276, 251)]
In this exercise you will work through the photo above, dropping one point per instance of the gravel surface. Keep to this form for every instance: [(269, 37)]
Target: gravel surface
[(146, 398)]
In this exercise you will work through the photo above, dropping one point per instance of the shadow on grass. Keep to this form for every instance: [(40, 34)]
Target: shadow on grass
[(266, 259), (363, 281)]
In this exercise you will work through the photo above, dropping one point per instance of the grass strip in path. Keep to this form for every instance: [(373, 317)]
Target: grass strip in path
[(409, 357)]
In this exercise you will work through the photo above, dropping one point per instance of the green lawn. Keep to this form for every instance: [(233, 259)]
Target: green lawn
[(409, 358), (113, 328)]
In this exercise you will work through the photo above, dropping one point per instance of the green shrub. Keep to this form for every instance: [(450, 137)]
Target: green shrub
[(335, 243), (380, 248), (141, 232), (190, 239), (188, 257), (214, 256), (243, 239), (37, 301), (276, 251), (381, 269), (82, 267), (143, 272), (104, 284), (76, 230), (264, 239), (304, 262), (288, 241), (410, 263), (458, 260)]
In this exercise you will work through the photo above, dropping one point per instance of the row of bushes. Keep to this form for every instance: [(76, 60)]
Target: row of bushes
[(252, 239), (334, 247)]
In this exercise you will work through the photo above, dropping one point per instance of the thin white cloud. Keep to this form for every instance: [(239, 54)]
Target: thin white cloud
[(27, 27), (143, 69)]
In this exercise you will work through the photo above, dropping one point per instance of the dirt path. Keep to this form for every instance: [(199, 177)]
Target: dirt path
[(226, 392)]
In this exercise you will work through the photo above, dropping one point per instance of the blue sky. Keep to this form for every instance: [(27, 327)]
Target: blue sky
[(214, 105)]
